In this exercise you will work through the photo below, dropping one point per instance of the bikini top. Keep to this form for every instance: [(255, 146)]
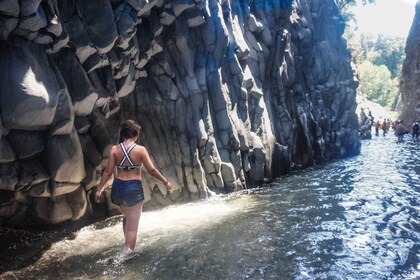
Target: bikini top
[(126, 157)]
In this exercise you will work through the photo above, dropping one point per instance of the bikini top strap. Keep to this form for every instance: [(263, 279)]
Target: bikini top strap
[(126, 153)]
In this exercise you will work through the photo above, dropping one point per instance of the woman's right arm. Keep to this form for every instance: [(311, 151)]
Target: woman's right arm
[(106, 175)]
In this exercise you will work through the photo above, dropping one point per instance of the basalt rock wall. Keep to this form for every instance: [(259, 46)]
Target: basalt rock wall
[(228, 93), (410, 77)]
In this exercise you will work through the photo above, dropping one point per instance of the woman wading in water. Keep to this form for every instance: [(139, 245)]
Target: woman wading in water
[(127, 190)]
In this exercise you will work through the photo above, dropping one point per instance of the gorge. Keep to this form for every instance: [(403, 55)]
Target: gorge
[(229, 94)]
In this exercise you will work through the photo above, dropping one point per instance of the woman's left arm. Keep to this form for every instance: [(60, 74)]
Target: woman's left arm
[(148, 164)]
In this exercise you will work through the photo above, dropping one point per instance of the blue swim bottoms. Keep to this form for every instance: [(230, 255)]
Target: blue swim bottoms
[(128, 192)]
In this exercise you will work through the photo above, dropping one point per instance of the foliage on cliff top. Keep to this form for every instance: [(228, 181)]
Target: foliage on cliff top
[(378, 60)]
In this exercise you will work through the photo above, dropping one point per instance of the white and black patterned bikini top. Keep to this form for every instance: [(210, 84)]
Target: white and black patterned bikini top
[(126, 157)]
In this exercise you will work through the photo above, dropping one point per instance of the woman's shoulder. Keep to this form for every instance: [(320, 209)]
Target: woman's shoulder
[(114, 148), (140, 147), (141, 150)]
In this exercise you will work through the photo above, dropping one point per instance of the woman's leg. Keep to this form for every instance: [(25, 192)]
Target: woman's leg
[(123, 210), (133, 216)]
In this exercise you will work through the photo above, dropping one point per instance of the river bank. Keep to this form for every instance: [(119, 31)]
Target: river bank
[(23, 247)]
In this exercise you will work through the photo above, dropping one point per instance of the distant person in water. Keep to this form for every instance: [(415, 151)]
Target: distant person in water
[(415, 130), (127, 191), (377, 127), (399, 130), (384, 127)]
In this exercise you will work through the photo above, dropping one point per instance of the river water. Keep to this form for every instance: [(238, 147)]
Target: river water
[(356, 218)]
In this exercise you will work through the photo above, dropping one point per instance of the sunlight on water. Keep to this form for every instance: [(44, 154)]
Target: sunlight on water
[(169, 224), (197, 215)]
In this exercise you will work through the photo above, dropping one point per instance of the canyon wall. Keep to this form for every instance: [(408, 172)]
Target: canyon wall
[(229, 94), (410, 74)]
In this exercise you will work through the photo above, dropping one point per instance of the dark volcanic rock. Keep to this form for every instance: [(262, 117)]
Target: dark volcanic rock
[(29, 89), (410, 74), (229, 94)]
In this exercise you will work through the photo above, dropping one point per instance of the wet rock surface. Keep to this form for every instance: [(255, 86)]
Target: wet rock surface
[(409, 84), (229, 94)]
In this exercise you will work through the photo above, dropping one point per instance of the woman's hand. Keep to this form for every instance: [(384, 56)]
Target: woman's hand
[(168, 185), (98, 195)]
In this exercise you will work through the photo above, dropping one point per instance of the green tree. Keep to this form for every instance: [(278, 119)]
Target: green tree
[(384, 50), (378, 60), (391, 53), (354, 45), (377, 84), (345, 6)]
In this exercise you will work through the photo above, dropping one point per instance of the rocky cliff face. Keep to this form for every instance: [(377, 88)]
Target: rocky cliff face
[(228, 94), (410, 82)]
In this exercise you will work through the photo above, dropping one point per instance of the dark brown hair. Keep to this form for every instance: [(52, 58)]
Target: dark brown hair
[(129, 129)]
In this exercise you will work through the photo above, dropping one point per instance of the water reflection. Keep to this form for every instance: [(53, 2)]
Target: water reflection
[(353, 219)]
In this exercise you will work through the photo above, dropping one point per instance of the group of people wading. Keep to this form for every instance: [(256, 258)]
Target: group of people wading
[(367, 121), (384, 126), (399, 129)]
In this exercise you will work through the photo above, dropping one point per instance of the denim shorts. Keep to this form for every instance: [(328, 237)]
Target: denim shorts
[(128, 192)]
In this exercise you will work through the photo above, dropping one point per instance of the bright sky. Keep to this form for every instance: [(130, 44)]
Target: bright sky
[(389, 17)]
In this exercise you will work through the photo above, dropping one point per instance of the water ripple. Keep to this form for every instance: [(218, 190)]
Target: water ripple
[(352, 219)]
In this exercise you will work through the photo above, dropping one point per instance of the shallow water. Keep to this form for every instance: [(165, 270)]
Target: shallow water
[(352, 219)]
